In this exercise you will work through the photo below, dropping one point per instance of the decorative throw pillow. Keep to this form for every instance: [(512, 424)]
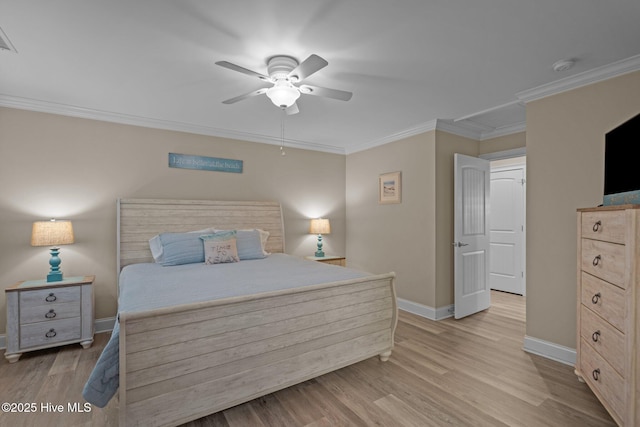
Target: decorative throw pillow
[(220, 247), (251, 243)]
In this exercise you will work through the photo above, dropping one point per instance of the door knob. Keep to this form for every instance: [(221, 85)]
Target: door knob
[(459, 244)]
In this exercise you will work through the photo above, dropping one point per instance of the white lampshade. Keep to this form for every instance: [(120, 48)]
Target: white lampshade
[(52, 233), (319, 226), (283, 94)]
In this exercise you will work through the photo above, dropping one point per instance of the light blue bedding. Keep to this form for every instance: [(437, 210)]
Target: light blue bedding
[(148, 286)]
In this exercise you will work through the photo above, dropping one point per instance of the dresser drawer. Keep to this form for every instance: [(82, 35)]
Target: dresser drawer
[(50, 296), (609, 226), (608, 301), (604, 260), (604, 338), (49, 312), (46, 333), (609, 386)]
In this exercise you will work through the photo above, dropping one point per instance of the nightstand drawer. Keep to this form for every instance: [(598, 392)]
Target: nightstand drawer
[(604, 260), (46, 333), (49, 296), (49, 313)]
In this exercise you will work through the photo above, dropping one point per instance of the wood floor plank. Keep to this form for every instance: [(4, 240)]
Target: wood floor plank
[(403, 413), (468, 372)]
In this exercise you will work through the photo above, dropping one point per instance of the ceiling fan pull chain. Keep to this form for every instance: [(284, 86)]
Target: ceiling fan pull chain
[(282, 153)]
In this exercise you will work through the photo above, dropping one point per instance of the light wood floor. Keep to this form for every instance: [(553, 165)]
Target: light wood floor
[(469, 372)]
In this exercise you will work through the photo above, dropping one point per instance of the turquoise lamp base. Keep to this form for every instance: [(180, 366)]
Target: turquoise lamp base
[(55, 275), (319, 252)]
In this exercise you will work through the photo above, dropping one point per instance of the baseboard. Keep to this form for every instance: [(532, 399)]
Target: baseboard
[(100, 325), (104, 325), (552, 351), (424, 310)]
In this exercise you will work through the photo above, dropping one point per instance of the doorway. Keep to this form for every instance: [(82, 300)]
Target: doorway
[(507, 225)]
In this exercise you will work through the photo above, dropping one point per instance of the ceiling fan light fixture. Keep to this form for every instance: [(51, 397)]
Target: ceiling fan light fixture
[(283, 94)]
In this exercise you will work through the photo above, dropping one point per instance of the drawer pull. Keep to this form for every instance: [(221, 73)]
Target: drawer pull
[(51, 297), (596, 298), (596, 374), (596, 260), (52, 333), (596, 226), (595, 336), (51, 314)]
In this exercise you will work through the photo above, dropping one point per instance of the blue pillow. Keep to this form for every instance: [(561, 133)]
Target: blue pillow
[(249, 244), (181, 248)]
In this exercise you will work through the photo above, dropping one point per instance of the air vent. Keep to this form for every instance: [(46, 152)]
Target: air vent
[(5, 43)]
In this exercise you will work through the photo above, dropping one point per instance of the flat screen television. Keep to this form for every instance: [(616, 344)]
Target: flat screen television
[(621, 164)]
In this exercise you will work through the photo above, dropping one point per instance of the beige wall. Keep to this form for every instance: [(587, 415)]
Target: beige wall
[(412, 238), (395, 237), (565, 165), (503, 143), (63, 167)]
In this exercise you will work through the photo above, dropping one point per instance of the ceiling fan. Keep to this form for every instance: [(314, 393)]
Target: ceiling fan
[(285, 73)]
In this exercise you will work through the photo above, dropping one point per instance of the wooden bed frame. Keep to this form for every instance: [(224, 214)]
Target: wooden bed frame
[(184, 362)]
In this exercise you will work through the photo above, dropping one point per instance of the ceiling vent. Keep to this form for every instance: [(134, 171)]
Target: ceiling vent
[(5, 43)]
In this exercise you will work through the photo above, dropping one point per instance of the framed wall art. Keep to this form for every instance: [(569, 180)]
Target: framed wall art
[(390, 188)]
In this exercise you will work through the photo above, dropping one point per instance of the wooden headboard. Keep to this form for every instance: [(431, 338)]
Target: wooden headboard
[(141, 219)]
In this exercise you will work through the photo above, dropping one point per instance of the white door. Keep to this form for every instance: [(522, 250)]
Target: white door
[(507, 230), (471, 235)]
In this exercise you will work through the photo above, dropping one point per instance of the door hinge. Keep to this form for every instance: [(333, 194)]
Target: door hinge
[(523, 181)]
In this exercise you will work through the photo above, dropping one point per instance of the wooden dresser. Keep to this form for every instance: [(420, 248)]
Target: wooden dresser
[(608, 332)]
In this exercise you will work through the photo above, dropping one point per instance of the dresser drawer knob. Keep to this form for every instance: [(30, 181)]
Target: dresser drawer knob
[(52, 333), (596, 374), (51, 314), (596, 298), (51, 297), (596, 226), (596, 260), (595, 336)]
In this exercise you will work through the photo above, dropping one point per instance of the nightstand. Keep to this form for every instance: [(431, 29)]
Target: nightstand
[(335, 260), (43, 314)]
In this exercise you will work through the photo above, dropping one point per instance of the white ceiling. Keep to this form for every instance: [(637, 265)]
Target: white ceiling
[(409, 63)]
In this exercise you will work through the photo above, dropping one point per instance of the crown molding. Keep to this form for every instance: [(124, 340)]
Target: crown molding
[(463, 129), (471, 132), (128, 119), (425, 127), (595, 75), (504, 130)]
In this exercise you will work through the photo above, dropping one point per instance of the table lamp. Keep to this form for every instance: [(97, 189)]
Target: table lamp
[(52, 233), (319, 226)]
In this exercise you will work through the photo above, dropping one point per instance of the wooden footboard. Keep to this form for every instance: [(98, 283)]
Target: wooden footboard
[(185, 362)]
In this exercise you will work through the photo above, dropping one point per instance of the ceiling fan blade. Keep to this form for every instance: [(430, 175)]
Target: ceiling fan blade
[(292, 109), (341, 95), (307, 67), (245, 96), (243, 70)]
